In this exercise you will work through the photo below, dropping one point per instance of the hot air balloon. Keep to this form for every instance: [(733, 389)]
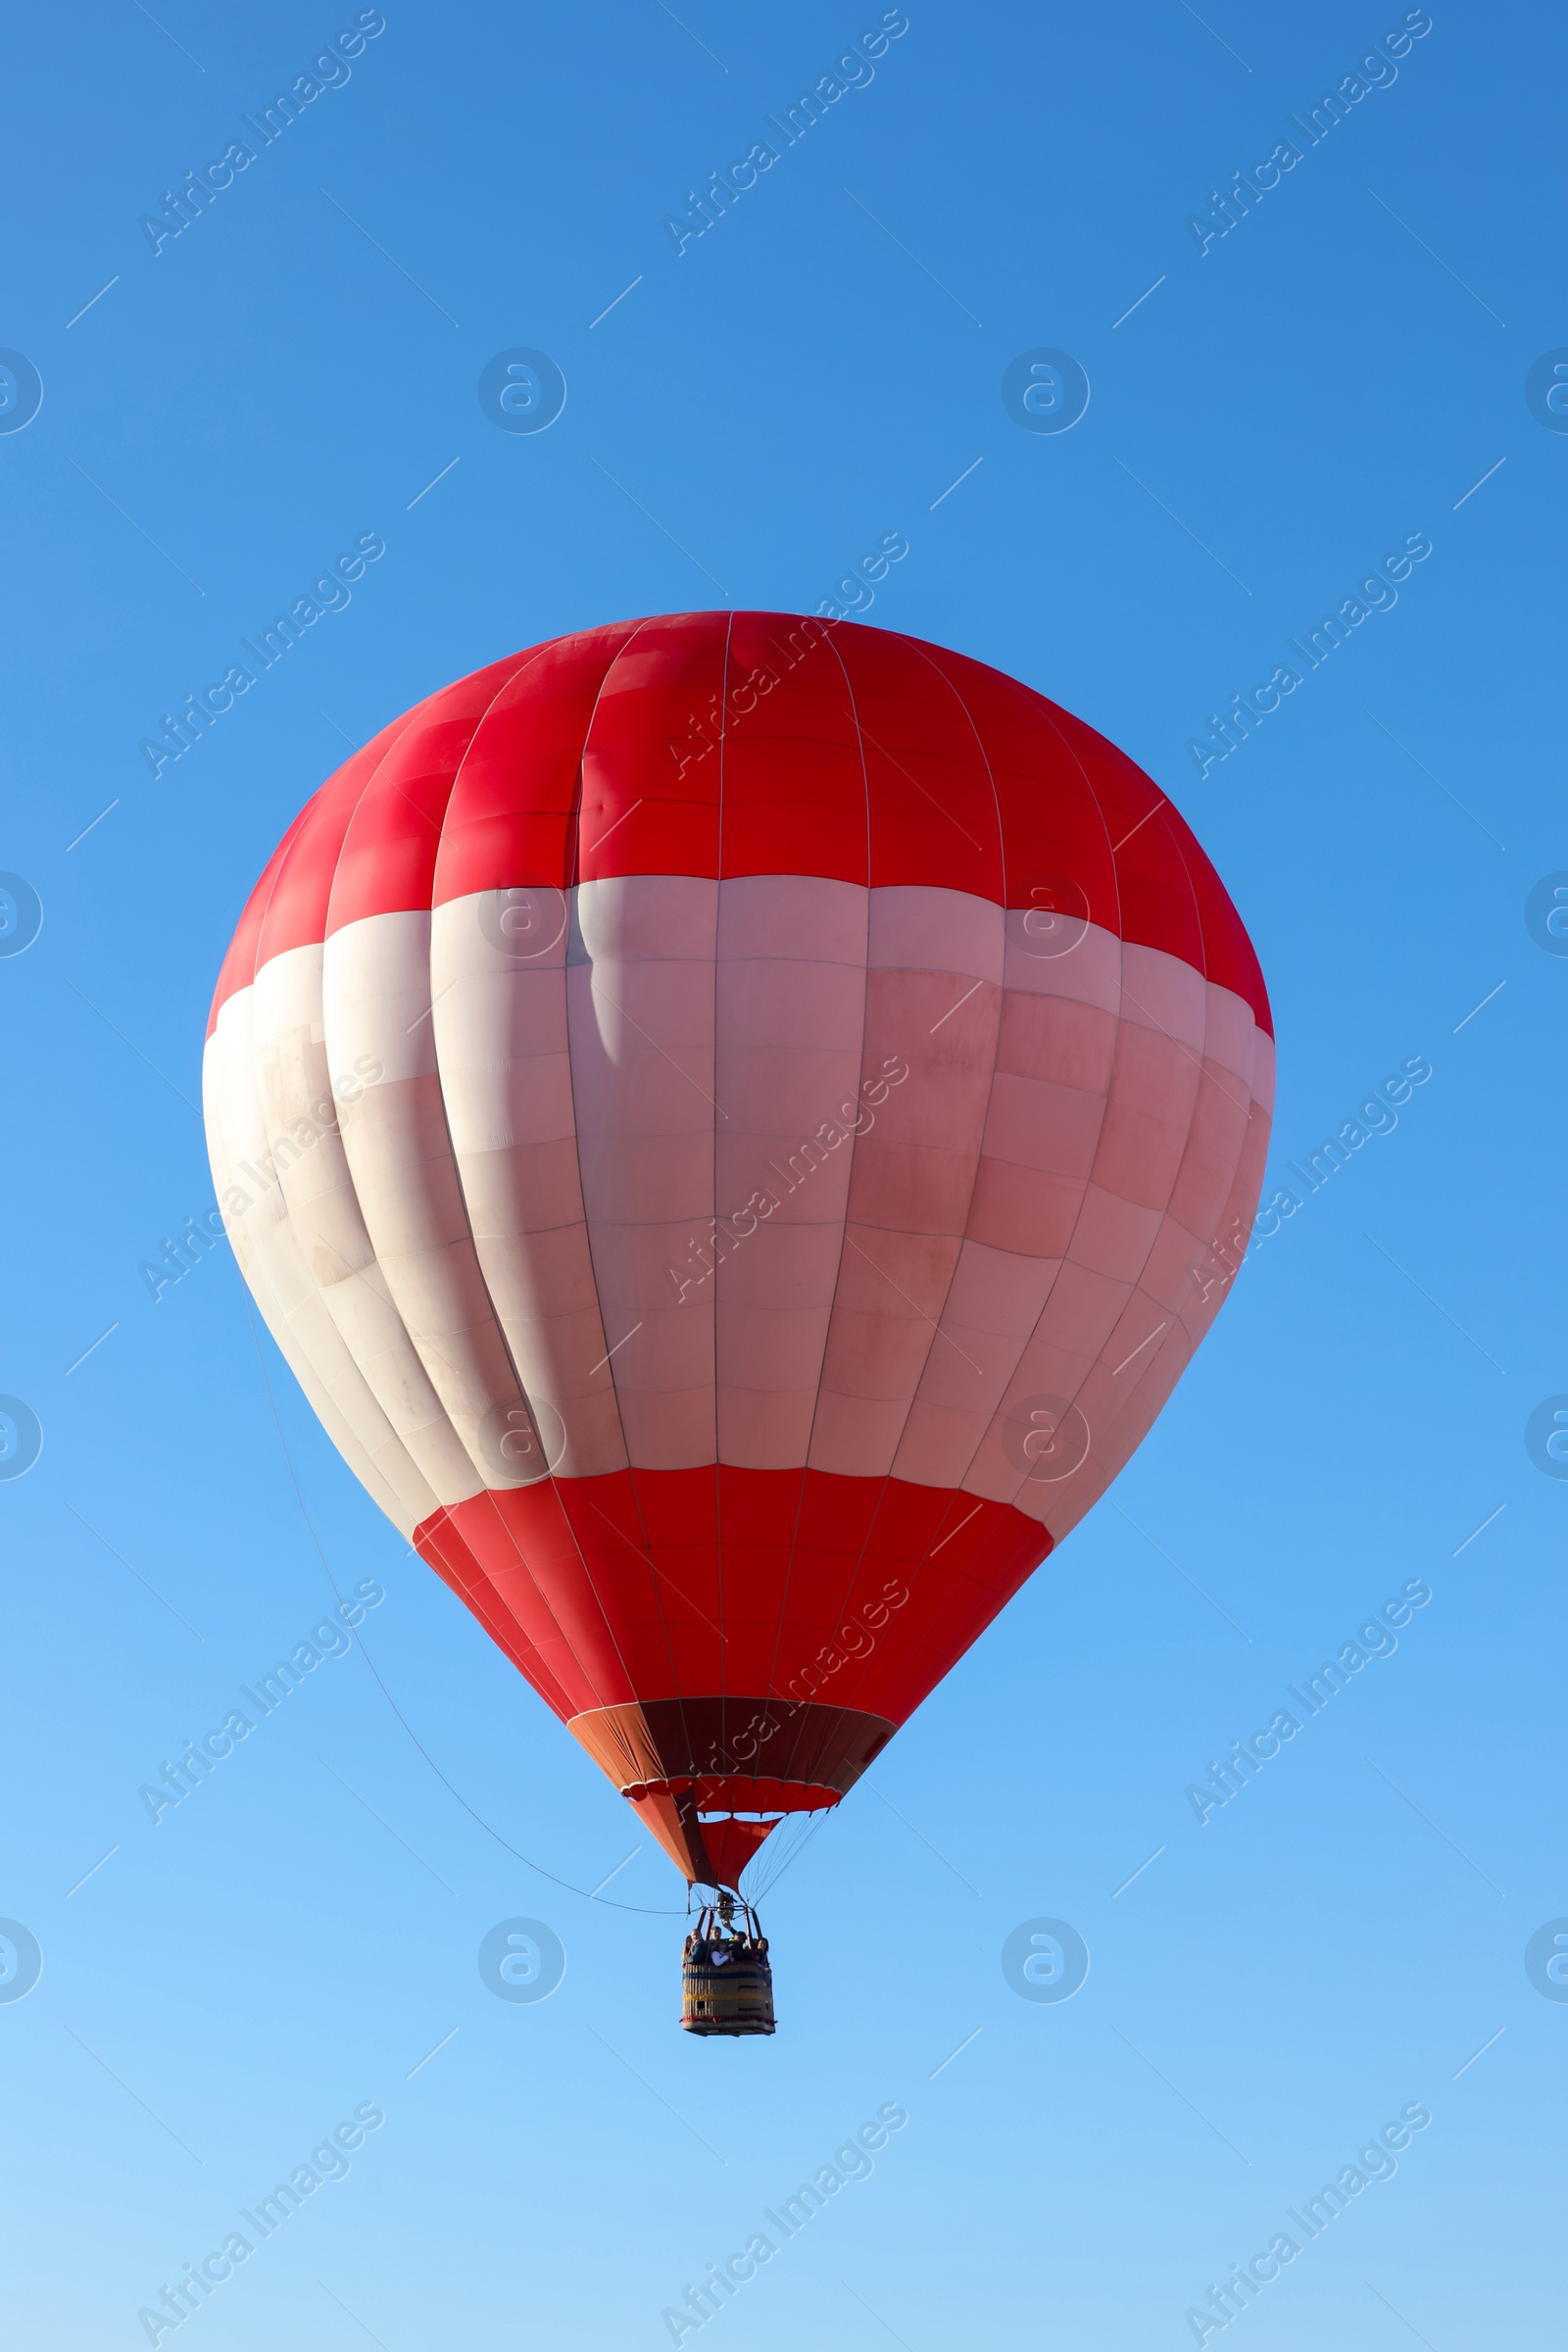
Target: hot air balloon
[(734, 1122)]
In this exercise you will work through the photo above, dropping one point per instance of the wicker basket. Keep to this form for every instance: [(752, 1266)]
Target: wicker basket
[(726, 1980)]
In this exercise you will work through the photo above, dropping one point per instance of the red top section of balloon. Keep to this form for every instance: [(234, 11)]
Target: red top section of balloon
[(746, 743)]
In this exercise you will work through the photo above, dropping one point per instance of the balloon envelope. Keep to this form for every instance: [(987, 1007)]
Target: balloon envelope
[(729, 1119)]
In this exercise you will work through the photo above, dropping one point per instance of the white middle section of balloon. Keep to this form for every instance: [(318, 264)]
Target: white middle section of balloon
[(770, 1171)]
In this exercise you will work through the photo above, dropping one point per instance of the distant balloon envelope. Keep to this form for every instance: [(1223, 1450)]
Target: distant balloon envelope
[(736, 1123)]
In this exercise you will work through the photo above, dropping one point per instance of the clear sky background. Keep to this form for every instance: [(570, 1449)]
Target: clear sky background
[(1345, 367)]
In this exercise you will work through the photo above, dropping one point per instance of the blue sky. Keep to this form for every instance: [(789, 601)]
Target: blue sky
[(1270, 413)]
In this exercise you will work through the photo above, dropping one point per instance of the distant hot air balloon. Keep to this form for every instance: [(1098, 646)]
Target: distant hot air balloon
[(729, 1119)]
